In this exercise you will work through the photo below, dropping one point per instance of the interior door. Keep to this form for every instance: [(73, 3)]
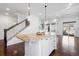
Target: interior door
[(68, 37), (69, 29)]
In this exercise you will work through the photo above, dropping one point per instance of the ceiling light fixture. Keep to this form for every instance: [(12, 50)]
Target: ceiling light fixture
[(40, 13), (8, 9), (28, 8)]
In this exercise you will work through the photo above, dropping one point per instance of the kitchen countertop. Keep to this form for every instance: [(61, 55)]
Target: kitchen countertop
[(31, 37)]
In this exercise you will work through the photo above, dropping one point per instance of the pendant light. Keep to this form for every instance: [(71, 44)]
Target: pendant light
[(45, 21), (28, 9), (43, 25)]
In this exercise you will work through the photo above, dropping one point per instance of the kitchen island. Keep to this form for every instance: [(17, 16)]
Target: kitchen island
[(37, 44)]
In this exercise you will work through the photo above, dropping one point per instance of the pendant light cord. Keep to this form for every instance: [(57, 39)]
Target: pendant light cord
[(45, 11)]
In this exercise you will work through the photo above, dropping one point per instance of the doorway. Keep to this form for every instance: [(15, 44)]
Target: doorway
[(68, 40)]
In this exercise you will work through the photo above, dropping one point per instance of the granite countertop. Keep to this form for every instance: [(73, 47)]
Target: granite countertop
[(31, 37)]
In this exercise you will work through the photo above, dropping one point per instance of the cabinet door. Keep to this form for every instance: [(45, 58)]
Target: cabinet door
[(45, 47), (52, 44)]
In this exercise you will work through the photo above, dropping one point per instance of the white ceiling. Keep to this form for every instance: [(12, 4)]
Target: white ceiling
[(71, 10), (36, 8), (19, 7)]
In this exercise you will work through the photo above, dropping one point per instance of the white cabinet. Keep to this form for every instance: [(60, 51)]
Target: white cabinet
[(40, 48), (33, 48), (45, 47)]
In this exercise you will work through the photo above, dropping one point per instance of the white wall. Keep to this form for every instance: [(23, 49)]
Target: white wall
[(21, 16), (1, 34), (34, 25), (77, 29), (5, 22), (59, 27)]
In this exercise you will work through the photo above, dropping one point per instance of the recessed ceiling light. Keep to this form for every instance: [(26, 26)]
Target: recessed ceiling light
[(40, 13), (28, 8), (7, 9)]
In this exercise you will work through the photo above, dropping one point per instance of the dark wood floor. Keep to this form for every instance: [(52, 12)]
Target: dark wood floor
[(16, 49), (13, 50), (1, 48), (67, 47)]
